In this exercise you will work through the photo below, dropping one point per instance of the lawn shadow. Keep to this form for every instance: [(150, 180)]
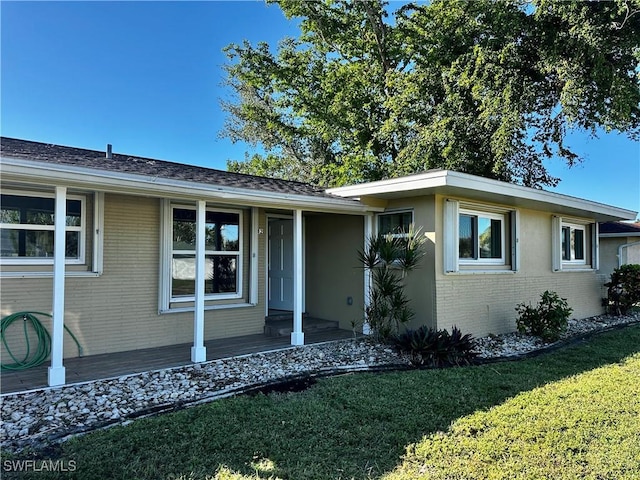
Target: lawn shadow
[(348, 426)]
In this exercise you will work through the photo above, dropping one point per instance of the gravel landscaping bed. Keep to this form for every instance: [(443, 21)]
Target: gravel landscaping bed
[(40, 417)]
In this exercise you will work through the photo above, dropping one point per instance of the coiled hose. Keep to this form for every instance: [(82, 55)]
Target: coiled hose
[(43, 347)]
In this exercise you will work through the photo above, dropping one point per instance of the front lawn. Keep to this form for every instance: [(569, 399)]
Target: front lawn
[(573, 413)]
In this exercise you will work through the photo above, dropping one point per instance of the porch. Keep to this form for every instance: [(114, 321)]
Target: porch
[(109, 365)]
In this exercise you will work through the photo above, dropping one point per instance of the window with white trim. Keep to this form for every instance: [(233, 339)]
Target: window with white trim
[(395, 223), (223, 258), (574, 244), (479, 237), (27, 228)]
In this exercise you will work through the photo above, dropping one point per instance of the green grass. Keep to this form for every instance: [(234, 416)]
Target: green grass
[(572, 413)]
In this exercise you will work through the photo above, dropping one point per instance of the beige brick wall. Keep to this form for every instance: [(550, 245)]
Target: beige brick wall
[(483, 303), (118, 311)]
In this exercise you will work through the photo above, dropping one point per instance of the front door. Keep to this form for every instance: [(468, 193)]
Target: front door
[(280, 264)]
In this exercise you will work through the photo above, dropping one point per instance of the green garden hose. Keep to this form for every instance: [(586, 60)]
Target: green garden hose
[(43, 348)]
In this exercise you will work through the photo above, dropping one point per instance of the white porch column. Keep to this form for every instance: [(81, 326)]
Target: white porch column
[(297, 336), (57, 370), (368, 232), (199, 351)]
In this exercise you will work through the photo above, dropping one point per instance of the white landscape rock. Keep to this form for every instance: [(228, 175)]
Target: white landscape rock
[(35, 417)]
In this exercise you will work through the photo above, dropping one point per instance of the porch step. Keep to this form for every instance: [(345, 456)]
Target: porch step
[(280, 326)]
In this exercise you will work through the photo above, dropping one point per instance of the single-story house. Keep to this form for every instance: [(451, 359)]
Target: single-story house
[(135, 253), (619, 245)]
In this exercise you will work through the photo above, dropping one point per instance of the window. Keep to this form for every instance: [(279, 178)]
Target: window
[(222, 253), (396, 223), (27, 229), (574, 244), (479, 237)]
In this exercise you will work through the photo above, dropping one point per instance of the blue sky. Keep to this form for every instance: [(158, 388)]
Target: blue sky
[(147, 77)]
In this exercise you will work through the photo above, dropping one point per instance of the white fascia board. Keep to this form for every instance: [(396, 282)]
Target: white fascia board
[(409, 183), (619, 235), (446, 181), (81, 177), (497, 187)]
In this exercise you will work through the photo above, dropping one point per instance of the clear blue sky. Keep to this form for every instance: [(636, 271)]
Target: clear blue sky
[(147, 78)]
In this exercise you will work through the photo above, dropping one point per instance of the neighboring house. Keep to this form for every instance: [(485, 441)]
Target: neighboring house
[(160, 253), (619, 245)]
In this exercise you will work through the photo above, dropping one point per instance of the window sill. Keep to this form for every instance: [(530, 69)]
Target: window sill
[(209, 307), (574, 270), (67, 274), (482, 272)]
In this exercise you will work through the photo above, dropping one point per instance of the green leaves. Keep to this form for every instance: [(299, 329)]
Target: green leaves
[(389, 258), (548, 320), (485, 87)]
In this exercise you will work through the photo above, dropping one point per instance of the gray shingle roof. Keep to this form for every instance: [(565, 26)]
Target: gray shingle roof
[(632, 229), (122, 163)]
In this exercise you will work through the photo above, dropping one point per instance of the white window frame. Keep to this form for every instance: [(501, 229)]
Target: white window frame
[(571, 228), (478, 260), (453, 264), (167, 275), (591, 251), (394, 212), (82, 240)]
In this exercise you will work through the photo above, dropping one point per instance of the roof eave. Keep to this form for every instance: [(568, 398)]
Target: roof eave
[(117, 182), (447, 182)]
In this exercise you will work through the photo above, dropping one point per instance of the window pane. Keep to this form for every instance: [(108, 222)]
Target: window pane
[(224, 274), (394, 222), (222, 231), (566, 243), (10, 243), (38, 211), (74, 210), (9, 215), (220, 274), (490, 237), (578, 244), (184, 229), (39, 243), (183, 275), (72, 245), (466, 246)]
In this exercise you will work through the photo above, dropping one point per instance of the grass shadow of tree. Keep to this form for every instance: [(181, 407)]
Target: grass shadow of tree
[(349, 426)]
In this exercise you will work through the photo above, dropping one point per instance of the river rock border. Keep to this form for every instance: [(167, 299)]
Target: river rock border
[(41, 417)]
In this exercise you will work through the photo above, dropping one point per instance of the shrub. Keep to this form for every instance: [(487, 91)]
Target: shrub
[(548, 320), (623, 291), (436, 348)]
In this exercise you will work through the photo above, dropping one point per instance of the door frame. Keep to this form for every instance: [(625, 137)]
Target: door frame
[(279, 216)]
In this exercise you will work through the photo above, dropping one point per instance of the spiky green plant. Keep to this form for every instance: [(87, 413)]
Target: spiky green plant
[(389, 258)]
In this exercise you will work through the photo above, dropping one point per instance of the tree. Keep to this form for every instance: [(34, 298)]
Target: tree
[(486, 87)]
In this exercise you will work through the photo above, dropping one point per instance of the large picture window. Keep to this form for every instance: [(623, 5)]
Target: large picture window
[(27, 229), (222, 253)]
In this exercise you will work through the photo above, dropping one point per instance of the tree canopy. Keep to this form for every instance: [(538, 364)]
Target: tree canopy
[(485, 87)]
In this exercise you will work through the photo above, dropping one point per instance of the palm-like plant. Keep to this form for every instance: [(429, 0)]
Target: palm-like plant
[(389, 258)]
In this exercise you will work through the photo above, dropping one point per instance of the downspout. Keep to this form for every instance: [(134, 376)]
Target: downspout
[(624, 245)]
